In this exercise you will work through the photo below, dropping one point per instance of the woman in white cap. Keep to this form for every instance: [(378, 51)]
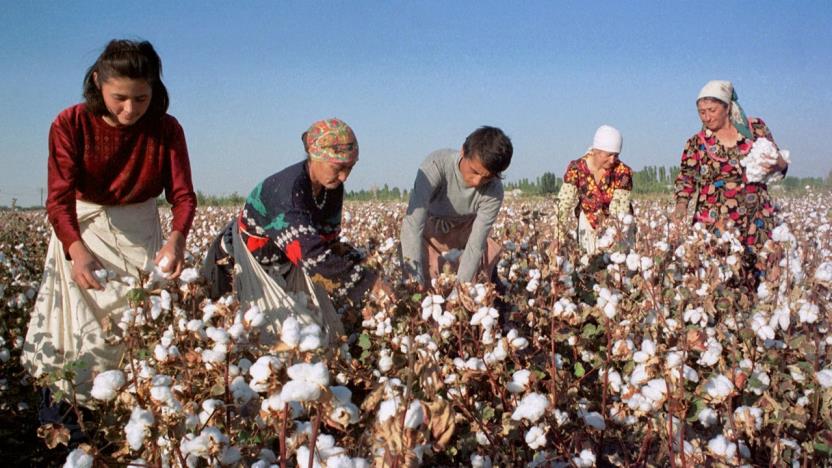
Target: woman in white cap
[(715, 172), (595, 186)]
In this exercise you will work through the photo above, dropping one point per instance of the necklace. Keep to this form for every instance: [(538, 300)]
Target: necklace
[(320, 204)]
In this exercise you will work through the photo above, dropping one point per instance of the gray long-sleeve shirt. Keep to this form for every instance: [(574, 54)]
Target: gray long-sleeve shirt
[(440, 192)]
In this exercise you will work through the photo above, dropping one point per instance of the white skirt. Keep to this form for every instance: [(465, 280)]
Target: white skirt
[(69, 323)]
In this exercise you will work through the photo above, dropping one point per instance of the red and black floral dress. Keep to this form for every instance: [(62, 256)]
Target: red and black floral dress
[(712, 175), (581, 193)]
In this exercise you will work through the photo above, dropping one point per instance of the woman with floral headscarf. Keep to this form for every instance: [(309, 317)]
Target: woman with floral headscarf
[(288, 232), (595, 186), (721, 174)]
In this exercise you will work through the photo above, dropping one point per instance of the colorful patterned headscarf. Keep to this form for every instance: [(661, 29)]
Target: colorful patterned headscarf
[(723, 90), (331, 140)]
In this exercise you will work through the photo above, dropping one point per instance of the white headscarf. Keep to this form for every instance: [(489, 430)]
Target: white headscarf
[(723, 90), (607, 139)]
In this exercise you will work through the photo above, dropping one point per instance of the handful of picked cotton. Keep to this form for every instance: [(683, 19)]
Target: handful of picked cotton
[(763, 154)]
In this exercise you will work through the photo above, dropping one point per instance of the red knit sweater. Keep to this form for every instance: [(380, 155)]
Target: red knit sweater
[(93, 161)]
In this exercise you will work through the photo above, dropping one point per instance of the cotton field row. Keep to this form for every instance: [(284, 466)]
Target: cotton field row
[(642, 355)]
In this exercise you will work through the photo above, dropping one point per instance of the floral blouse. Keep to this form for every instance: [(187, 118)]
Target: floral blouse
[(713, 177), (597, 200)]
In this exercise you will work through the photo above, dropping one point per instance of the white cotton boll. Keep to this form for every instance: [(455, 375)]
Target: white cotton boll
[(415, 415), (215, 355), (297, 390), (824, 272), (618, 258), (633, 261), (808, 313), (137, 428), (195, 325), (261, 370), (711, 354), (482, 439), (78, 458), (519, 381), (780, 317), (387, 409), (302, 457), (531, 407), (188, 275), (480, 461), (316, 373), (610, 310), (290, 332), (719, 387), (639, 375), (385, 361), (230, 456), (475, 364), (101, 275), (655, 389), (585, 459), (106, 385), (218, 335), (763, 152), (796, 373), (254, 317), (310, 338), (238, 332), (593, 419), (722, 447), (824, 378), (519, 343), (5, 355), (690, 374), (614, 380), (707, 417), (535, 437), (240, 390)]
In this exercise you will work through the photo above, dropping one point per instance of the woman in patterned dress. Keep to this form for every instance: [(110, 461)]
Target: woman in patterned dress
[(713, 177), (292, 221), (595, 186)]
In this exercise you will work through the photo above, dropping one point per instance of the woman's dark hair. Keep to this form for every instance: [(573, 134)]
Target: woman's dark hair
[(491, 146), (124, 58)]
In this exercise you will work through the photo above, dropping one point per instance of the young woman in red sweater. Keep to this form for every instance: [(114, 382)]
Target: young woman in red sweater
[(109, 158)]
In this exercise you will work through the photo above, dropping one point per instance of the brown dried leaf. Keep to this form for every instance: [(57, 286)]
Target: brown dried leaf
[(441, 422), (54, 434)]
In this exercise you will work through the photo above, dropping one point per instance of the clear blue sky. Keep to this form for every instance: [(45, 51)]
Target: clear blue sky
[(246, 78)]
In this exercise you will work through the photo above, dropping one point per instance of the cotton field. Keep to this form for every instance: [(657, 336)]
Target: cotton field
[(641, 356)]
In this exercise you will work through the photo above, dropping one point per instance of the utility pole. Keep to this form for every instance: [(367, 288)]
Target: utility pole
[(41, 196)]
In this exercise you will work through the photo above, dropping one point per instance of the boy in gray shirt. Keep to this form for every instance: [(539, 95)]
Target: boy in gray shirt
[(454, 202)]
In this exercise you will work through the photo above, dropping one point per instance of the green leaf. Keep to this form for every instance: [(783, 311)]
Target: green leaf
[(364, 355), (825, 449), (364, 341), (589, 331), (416, 297), (487, 413), (693, 411), (579, 370), (218, 389), (136, 295)]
